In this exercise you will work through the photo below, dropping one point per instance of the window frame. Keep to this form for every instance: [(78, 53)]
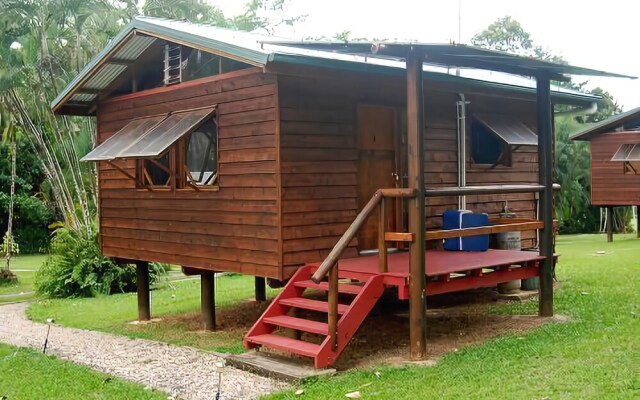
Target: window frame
[(505, 158), (178, 169)]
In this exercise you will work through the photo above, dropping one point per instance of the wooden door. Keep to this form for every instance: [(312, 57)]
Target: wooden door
[(376, 166)]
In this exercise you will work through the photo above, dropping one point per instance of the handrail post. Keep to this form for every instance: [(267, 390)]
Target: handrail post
[(333, 306), (382, 245)]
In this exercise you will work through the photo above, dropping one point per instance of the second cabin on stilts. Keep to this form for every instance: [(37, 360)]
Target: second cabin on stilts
[(308, 163)]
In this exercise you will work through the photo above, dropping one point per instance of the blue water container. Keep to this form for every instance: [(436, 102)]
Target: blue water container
[(457, 219)]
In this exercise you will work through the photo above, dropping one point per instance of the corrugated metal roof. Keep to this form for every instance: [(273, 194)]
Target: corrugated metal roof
[(83, 97), (508, 128), (103, 78), (623, 121), (134, 48), (257, 50)]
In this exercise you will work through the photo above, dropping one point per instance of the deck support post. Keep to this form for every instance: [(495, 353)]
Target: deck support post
[(609, 224), (416, 205), (208, 300), (261, 288), (545, 160), (142, 284), (638, 222)]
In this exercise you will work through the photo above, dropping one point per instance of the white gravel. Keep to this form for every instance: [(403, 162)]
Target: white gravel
[(182, 372)]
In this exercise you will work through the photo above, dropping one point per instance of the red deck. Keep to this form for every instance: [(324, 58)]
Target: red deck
[(448, 271)]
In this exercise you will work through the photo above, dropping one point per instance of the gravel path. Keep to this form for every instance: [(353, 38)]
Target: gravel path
[(183, 372)]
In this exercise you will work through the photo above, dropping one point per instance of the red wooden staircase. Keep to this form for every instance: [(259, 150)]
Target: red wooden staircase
[(265, 332)]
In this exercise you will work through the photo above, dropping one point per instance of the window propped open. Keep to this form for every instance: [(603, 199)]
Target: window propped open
[(509, 129), (494, 137), (629, 155), (173, 151)]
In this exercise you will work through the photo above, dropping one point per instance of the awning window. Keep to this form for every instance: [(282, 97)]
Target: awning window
[(509, 129), (119, 141), (627, 152), (149, 137)]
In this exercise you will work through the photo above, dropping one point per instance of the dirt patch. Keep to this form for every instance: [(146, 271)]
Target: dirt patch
[(454, 321)]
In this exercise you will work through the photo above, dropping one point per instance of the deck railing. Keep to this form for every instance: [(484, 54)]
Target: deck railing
[(330, 265)]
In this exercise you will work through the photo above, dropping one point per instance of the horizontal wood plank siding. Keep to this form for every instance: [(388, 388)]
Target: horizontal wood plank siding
[(232, 229), (610, 186), (319, 156)]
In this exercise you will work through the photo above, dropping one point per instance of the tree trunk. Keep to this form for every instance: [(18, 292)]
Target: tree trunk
[(14, 150)]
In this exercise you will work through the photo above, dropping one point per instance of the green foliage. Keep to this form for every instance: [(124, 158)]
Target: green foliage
[(9, 245), (76, 268), (32, 213)]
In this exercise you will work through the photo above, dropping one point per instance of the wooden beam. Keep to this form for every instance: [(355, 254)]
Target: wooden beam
[(261, 288), (416, 205), (399, 237), (483, 230), (208, 300), (332, 316), (142, 283), (545, 162), (609, 224), (382, 244)]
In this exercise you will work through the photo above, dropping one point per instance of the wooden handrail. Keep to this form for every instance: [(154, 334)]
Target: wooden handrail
[(484, 230), (488, 189), (355, 226)]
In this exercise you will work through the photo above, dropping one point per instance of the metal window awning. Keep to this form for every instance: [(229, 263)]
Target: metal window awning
[(627, 152), (149, 137), (509, 129)]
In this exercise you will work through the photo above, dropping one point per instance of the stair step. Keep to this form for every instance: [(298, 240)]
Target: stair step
[(299, 324), (286, 344), (342, 288), (315, 305)]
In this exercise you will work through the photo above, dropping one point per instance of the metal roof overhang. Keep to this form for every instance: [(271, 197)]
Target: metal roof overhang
[(463, 56), (625, 120), (103, 69)]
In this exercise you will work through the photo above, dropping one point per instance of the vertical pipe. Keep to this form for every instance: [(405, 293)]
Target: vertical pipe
[(382, 245), (416, 205), (545, 160), (208, 300), (461, 109), (261, 288), (609, 224), (332, 316), (142, 283)]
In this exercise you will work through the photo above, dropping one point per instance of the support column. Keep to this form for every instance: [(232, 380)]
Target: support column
[(415, 159), (609, 224), (142, 283), (545, 162), (261, 289), (208, 301), (638, 221)]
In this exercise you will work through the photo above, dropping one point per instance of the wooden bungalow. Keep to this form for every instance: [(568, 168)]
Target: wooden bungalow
[(615, 163), (307, 163)]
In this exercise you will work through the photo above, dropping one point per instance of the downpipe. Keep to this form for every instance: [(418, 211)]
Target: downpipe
[(461, 110)]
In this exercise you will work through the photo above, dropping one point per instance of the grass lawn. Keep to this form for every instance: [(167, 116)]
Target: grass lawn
[(26, 374), (595, 356), (25, 268), (177, 303)]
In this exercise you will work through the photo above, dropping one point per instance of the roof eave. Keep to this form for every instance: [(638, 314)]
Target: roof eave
[(59, 106)]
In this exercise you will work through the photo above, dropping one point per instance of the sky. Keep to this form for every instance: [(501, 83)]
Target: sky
[(586, 33)]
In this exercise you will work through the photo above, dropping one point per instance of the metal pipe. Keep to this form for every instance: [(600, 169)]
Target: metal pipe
[(461, 110)]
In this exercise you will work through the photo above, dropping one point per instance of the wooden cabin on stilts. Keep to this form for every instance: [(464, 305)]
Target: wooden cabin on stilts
[(322, 166), (615, 164)]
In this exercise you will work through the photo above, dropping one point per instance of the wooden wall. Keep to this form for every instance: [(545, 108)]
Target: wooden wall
[(233, 229), (319, 154), (609, 185)]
